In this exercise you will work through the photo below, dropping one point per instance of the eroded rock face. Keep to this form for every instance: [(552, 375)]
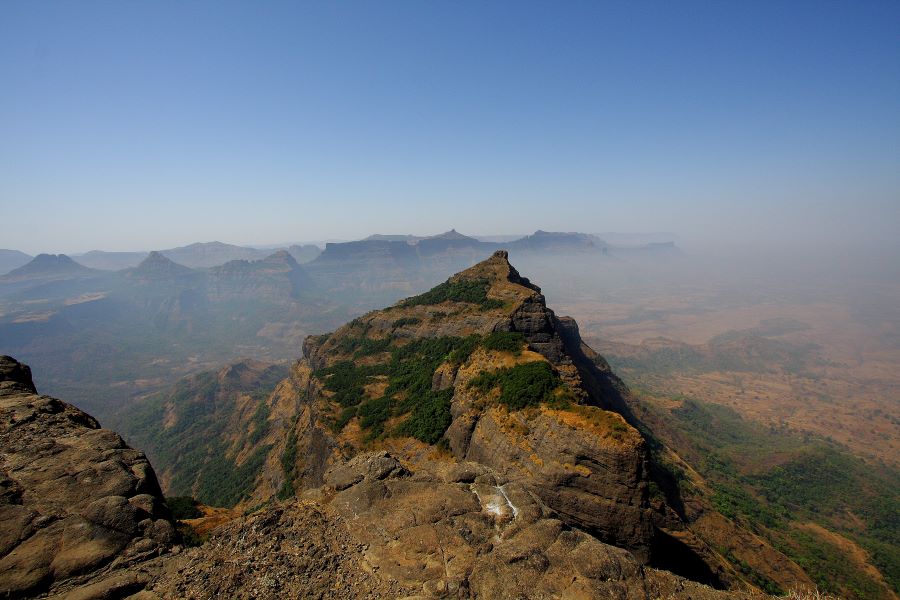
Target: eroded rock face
[(74, 498), (448, 530), (598, 485)]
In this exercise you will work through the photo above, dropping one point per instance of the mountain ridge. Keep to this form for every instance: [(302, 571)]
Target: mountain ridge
[(477, 372)]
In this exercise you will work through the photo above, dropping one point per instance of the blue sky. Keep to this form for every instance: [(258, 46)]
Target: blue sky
[(133, 125)]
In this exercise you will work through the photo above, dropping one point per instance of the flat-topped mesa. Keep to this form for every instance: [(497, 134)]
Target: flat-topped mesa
[(277, 277)]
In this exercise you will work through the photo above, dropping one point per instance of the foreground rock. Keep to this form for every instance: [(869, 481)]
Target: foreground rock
[(377, 530), (75, 500)]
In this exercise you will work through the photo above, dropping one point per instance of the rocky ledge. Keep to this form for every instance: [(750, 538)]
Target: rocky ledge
[(75, 501), (379, 530)]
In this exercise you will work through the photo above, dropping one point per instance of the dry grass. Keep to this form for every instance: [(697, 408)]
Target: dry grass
[(808, 594)]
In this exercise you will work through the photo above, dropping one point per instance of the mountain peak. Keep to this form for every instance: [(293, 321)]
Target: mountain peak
[(282, 256), (158, 265), (48, 265), (481, 365), (496, 269), (453, 234)]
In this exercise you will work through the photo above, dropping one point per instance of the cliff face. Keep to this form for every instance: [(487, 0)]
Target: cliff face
[(75, 500)]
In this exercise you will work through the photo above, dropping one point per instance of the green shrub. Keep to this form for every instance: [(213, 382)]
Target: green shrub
[(429, 419), (407, 321), (363, 346), (222, 483), (410, 372), (189, 537), (473, 291), (260, 422), (183, 507), (374, 413), (346, 380), (504, 341), (522, 385), (346, 414)]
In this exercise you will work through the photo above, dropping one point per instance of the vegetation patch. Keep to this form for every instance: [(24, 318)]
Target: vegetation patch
[(409, 373), (407, 321), (197, 413), (373, 414), (523, 385), (346, 380), (757, 578), (183, 507), (289, 464), (828, 566), (429, 419), (222, 483), (363, 346), (259, 422), (504, 341), (189, 537), (472, 291), (769, 479)]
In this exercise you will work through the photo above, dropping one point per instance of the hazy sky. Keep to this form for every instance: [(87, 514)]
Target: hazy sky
[(131, 125)]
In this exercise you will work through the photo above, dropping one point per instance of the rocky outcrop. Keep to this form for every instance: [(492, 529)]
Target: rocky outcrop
[(593, 482), (585, 463), (75, 500), (449, 530)]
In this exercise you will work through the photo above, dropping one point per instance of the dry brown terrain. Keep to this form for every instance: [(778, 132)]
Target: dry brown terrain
[(848, 389)]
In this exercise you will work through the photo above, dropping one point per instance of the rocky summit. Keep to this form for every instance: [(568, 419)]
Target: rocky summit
[(463, 443), (481, 367)]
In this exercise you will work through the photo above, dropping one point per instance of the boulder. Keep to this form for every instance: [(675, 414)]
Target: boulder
[(73, 494)]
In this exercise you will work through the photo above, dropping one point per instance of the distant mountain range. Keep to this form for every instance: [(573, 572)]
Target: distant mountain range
[(200, 255), (204, 255), (382, 268), (126, 331), (12, 259)]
